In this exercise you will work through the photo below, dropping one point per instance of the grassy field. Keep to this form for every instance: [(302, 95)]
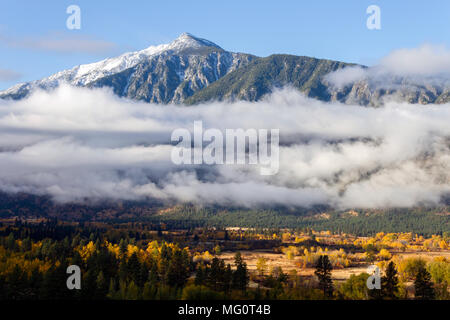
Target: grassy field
[(288, 265)]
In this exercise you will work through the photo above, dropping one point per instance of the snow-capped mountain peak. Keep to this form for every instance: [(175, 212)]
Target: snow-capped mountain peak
[(86, 73), (188, 41)]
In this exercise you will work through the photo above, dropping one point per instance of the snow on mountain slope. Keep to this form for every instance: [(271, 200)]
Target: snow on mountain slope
[(82, 75)]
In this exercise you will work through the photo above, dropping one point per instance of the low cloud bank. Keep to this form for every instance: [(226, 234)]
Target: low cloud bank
[(423, 66), (76, 144)]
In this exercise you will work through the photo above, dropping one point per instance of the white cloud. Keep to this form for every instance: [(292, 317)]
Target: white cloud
[(345, 76), (9, 75), (427, 64), (426, 60), (61, 43), (75, 143)]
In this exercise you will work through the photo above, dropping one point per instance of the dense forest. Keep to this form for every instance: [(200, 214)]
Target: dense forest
[(358, 222), (363, 222), (133, 261)]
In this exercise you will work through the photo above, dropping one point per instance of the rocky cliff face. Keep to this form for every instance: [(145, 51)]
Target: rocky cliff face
[(367, 93), (171, 78)]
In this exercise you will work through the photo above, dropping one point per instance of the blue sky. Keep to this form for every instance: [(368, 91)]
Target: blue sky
[(320, 28)]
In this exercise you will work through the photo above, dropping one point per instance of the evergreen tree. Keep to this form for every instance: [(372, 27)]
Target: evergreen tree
[(112, 290), (76, 259), (102, 286), (216, 275), (122, 249), (89, 285), (149, 291), (389, 282), (35, 283), (143, 276), (16, 283), (123, 270), (323, 273), (228, 278), (201, 275), (54, 283), (10, 242), (153, 276), (240, 275), (134, 267), (26, 244), (178, 272), (132, 291), (423, 287)]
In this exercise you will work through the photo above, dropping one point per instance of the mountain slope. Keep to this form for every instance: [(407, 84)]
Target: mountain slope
[(309, 76), (262, 75), (162, 74), (372, 93), (171, 78), (192, 70)]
